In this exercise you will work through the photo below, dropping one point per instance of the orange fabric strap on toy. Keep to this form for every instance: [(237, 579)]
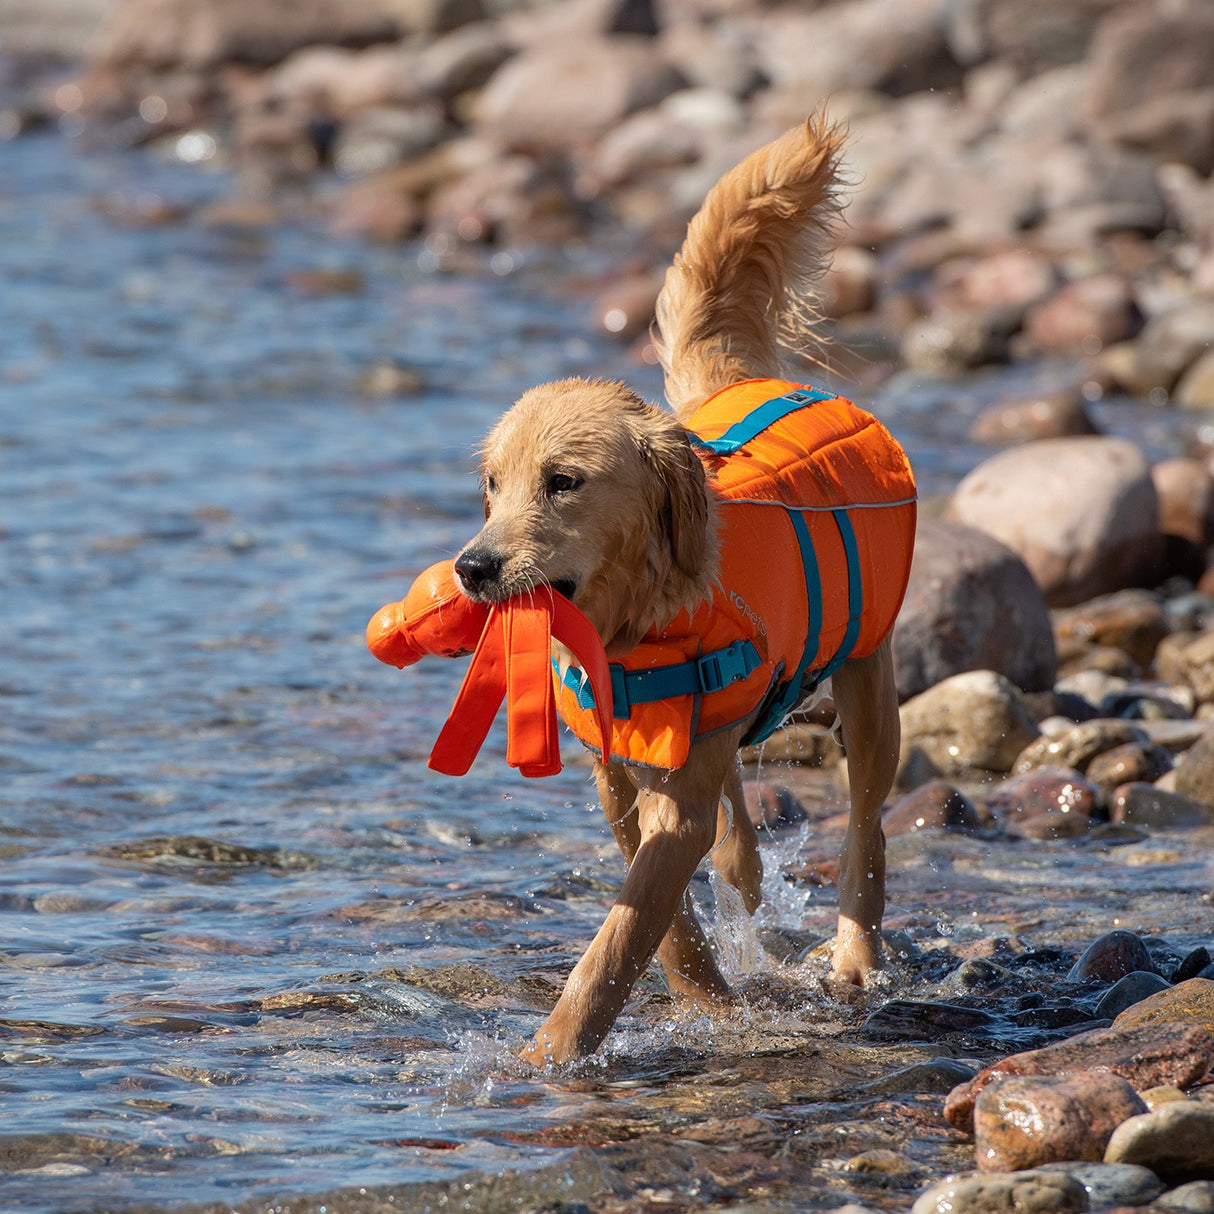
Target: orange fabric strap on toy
[(512, 662)]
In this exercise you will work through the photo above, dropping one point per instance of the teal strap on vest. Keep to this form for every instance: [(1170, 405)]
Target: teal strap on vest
[(855, 595), (758, 419), (697, 676), (798, 686)]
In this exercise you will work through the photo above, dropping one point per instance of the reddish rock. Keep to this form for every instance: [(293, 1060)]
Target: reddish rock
[(1133, 621), (1046, 803), (1146, 1055), (936, 805), (1084, 317), (1023, 1121), (771, 805), (1112, 956), (1130, 762), (1059, 415), (1079, 745)]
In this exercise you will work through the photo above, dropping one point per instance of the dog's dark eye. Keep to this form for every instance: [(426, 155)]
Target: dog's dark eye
[(561, 482), (490, 485)]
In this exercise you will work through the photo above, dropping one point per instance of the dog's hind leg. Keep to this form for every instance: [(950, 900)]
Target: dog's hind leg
[(866, 700), (736, 855)]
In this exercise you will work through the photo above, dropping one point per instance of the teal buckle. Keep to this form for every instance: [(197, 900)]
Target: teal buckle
[(719, 669)]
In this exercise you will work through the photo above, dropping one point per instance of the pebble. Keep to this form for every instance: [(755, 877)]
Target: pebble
[(1022, 1121), (1132, 762), (1078, 746), (1112, 956), (1176, 1141), (936, 1075), (1033, 1192), (1195, 770), (1145, 1055)]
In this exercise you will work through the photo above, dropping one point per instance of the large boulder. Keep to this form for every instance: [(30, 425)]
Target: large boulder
[(972, 604), (1082, 513)]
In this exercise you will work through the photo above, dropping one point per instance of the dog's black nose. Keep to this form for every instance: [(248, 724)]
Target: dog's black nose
[(476, 569)]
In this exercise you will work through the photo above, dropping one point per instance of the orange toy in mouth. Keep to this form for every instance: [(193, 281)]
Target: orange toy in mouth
[(511, 647)]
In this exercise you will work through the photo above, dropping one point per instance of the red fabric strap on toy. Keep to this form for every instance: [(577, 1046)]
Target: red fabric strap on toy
[(512, 662)]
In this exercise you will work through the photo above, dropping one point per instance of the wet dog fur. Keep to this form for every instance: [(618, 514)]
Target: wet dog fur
[(592, 490)]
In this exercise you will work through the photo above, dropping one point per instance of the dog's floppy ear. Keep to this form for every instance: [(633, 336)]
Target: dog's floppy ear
[(683, 516)]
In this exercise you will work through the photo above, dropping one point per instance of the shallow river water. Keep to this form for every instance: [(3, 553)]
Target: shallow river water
[(252, 952)]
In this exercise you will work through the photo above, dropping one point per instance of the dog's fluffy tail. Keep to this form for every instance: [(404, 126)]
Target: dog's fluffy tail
[(739, 297)]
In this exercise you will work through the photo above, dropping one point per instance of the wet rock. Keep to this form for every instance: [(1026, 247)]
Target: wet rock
[(1127, 991), (971, 605), (1193, 964), (1169, 344), (1047, 803), (1033, 1192), (1133, 621), (1078, 746), (936, 805), (1112, 1184), (1057, 415), (1130, 762), (771, 805), (1196, 1197), (972, 721), (1144, 1054), (938, 1076), (1022, 1121), (1163, 1094), (1157, 808), (916, 1020), (1100, 532), (1176, 1141), (881, 1162), (981, 974), (1188, 658), (1112, 956), (1190, 1002), (560, 93), (1195, 770), (1151, 82), (1084, 316)]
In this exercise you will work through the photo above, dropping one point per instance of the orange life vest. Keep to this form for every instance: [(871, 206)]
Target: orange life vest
[(816, 511)]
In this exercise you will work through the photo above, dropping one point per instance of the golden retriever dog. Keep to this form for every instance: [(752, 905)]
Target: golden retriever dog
[(606, 499)]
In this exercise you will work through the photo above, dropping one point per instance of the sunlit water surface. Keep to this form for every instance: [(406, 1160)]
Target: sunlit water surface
[(249, 944)]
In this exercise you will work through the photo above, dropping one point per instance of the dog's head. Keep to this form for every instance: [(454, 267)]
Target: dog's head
[(598, 494)]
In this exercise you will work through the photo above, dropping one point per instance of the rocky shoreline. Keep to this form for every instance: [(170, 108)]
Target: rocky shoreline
[(1026, 184)]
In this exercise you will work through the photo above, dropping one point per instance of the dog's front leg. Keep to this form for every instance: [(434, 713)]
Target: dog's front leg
[(672, 830)]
